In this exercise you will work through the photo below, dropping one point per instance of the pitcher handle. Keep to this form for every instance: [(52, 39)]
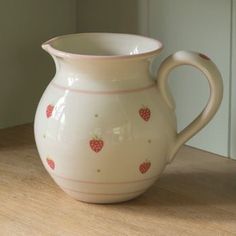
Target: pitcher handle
[(209, 69)]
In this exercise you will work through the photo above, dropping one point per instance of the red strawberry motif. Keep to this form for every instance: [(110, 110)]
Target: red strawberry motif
[(96, 144), (204, 56), (49, 110), (144, 167), (145, 113), (51, 163)]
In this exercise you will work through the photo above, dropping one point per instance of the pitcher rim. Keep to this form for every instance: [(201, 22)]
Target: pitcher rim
[(47, 46)]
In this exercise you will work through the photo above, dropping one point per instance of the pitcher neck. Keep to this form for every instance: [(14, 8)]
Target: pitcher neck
[(104, 69)]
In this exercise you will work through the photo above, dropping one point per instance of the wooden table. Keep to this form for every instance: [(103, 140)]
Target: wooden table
[(196, 195)]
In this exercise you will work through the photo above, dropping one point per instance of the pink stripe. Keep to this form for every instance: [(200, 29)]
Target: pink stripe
[(93, 182), (103, 92), (107, 194)]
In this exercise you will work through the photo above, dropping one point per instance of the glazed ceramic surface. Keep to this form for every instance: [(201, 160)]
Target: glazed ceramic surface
[(104, 128)]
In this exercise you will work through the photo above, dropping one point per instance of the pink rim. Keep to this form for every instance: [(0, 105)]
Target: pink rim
[(106, 194), (49, 48), (104, 183), (104, 92), (204, 56)]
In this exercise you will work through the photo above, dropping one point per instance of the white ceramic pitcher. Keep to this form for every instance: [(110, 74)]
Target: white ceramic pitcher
[(105, 130)]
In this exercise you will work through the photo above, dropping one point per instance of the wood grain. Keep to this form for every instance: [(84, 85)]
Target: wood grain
[(196, 195)]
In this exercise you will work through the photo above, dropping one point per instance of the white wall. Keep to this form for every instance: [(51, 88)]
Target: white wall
[(25, 69), (109, 16)]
